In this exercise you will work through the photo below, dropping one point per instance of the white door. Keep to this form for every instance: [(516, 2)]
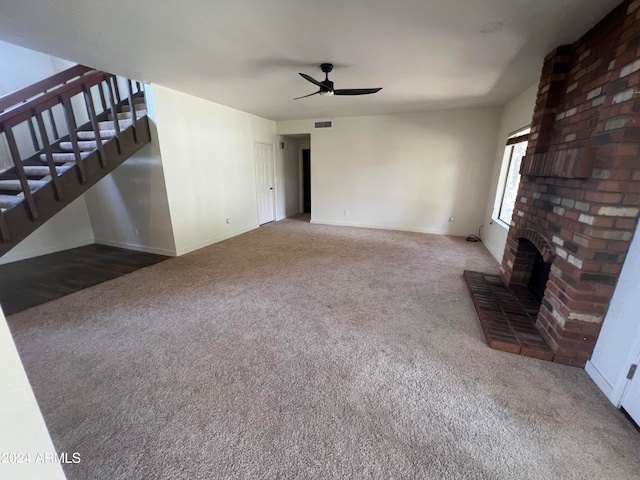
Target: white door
[(631, 399), (263, 153)]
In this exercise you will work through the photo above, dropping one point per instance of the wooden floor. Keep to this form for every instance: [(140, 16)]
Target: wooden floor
[(27, 283)]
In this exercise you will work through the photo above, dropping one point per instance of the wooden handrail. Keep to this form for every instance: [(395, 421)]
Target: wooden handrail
[(24, 94), (23, 112)]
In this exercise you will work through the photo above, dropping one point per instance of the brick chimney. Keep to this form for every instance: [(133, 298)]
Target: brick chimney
[(579, 196)]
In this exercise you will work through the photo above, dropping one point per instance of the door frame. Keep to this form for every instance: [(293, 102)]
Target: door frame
[(274, 177), (627, 386)]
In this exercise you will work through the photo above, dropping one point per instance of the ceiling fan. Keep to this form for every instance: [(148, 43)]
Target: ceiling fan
[(326, 86)]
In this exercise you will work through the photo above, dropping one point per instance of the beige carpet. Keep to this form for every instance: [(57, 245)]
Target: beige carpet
[(299, 351)]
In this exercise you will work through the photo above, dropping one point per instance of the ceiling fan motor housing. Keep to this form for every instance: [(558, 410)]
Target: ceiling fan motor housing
[(328, 84), (326, 67)]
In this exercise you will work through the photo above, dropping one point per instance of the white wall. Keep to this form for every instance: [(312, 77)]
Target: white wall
[(405, 172), (70, 228), (287, 178), (129, 207), (515, 115), (22, 428), (618, 344), (208, 161)]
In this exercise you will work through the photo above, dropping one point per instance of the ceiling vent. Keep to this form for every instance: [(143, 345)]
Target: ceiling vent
[(323, 124)]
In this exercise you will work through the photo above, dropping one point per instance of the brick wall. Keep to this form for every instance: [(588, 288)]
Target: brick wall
[(580, 187)]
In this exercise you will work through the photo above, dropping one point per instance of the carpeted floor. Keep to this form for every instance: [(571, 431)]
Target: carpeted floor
[(300, 351)]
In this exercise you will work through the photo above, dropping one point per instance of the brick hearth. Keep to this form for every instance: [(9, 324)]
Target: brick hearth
[(507, 316)]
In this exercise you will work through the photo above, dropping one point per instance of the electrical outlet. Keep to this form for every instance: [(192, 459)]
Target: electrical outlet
[(228, 220), (346, 213), (137, 232)]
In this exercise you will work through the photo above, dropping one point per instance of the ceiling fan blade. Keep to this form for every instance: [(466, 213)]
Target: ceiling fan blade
[(356, 91), (312, 80), (310, 95)]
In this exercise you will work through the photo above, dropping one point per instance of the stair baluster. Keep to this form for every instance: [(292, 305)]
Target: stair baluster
[(103, 100), (54, 128), (91, 111), (134, 115), (17, 161), (49, 154), (116, 88), (114, 111), (71, 125), (34, 137)]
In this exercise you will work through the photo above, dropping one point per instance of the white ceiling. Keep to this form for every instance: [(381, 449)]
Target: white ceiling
[(246, 54)]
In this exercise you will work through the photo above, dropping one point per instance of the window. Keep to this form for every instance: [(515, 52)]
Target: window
[(514, 151)]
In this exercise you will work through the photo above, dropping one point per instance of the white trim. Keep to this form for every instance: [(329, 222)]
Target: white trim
[(388, 227), (501, 223), (274, 178), (603, 384), (502, 176), (137, 248), (8, 258), (206, 243)]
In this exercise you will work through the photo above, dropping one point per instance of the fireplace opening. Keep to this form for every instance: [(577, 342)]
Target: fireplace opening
[(539, 276), (531, 272)]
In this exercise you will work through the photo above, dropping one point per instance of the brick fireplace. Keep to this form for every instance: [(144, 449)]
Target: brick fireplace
[(579, 195)]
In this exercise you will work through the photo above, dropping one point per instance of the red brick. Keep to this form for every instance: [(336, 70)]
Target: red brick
[(603, 197), (611, 268), (631, 199), (626, 223), (618, 246)]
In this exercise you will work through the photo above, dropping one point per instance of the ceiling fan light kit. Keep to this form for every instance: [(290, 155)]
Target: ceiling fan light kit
[(326, 86)]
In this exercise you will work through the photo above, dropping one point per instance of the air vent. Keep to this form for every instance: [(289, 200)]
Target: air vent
[(323, 124)]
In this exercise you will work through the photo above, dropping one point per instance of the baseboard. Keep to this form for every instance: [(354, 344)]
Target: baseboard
[(137, 248), (494, 254), (388, 227), (602, 383), (206, 243), (10, 258)]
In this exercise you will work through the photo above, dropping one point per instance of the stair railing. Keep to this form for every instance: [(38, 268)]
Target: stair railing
[(37, 118)]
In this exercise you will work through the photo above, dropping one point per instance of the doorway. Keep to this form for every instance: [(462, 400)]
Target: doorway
[(263, 155), (306, 180)]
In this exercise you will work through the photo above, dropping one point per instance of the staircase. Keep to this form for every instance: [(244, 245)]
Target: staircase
[(61, 139)]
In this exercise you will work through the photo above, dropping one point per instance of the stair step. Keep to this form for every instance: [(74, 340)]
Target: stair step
[(42, 171), (139, 106), (91, 135), (14, 185), (124, 124), (82, 145), (61, 158), (8, 201), (127, 115)]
